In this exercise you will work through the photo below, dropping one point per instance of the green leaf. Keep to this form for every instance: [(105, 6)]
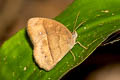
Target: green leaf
[(102, 19)]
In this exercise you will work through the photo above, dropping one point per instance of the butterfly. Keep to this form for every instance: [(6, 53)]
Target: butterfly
[(51, 41)]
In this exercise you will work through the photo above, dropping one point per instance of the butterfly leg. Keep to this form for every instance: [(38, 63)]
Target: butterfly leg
[(72, 54), (81, 45)]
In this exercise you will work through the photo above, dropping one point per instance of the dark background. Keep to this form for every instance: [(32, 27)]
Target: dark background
[(103, 64)]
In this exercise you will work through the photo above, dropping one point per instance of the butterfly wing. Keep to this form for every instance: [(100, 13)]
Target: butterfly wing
[(51, 40)]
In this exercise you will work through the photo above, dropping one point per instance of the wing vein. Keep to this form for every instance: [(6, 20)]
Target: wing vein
[(48, 41)]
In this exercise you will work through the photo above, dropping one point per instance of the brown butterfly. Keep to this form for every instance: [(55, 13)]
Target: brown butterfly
[(51, 40)]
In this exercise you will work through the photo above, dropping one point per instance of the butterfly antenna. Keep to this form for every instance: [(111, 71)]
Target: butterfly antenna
[(79, 25), (76, 21)]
